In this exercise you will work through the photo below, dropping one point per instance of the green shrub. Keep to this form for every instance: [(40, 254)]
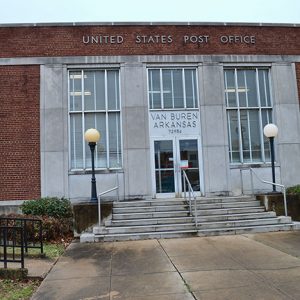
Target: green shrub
[(48, 206), (294, 190)]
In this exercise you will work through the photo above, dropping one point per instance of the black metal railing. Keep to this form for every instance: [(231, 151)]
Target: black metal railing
[(32, 231), (12, 245)]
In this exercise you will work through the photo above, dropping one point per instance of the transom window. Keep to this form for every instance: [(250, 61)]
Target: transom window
[(94, 102), (249, 109), (172, 88)]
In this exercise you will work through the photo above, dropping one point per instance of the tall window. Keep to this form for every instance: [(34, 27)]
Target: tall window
[(94, 102), (172, 88), (248, 103)]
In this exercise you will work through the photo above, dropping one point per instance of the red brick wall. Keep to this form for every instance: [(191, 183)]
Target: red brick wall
[(67, 40), (298, 79), (19, 132)]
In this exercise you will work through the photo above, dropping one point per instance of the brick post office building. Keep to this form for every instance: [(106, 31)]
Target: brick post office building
[(160, 94)]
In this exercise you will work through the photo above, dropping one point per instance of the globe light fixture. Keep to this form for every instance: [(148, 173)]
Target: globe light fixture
[(92, 136), (271, 131)]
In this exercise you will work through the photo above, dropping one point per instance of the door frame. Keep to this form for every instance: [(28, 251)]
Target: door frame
[(177, 171)]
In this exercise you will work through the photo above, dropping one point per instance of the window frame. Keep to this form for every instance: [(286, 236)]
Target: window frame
[(268, 109), (95, 111), (162, 92)]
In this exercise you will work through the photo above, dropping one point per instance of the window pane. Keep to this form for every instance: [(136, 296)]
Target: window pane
[(190, 89), (154, 89), (241, 78), (100, 90), (97, 121), (164, 181), (75, 92), (101, 150), (230, 88), (266, 119), (89, 95), (178, 89), (246, 144), (234, 136), (113, 89), (251, 88), (115, 160), (167, 88), (255, 135), (264, 89), (76, 141), (164, 154)]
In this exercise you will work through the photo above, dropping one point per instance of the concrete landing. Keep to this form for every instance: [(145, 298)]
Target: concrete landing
[(256, 266)]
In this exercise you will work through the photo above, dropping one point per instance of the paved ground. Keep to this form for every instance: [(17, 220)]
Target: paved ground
[(259, 266)]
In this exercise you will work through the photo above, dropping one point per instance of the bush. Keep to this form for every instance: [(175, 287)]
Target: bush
[(293, 190), (48, 206), (56, 215), (57, 230)]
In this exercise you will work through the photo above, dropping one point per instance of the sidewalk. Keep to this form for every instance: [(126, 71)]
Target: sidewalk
[(38, 268), (256, 266)]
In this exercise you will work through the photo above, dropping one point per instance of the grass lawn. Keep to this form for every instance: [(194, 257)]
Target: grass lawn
[(17, 289), (51, 251), (23, 289)]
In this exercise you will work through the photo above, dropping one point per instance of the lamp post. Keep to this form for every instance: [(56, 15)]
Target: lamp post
[(271, 131), (92, 136)]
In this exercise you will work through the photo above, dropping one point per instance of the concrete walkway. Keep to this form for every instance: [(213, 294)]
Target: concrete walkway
[(258, 266)]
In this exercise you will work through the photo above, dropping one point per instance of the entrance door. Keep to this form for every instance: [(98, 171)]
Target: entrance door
[(168, 155)]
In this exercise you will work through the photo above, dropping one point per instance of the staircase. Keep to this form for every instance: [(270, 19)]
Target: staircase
[(237, 215), (148, 219), (167, 218)]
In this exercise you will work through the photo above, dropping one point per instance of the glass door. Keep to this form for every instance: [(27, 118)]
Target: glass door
[(188, 151), (164, 166), (168, 157)]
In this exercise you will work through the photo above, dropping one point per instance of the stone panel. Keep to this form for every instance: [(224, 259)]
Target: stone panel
[(284, 83), (54, 180), (216, 170), (135, 128), (214, 126), (137, 173), (290, 163), (211, 84), (134, 85)]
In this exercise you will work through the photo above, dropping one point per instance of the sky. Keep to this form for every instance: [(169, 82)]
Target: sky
[(53, 11)]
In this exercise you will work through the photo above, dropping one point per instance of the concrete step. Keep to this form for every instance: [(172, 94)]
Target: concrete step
[(237, 216), (146, 228), (124, 210), (187, 233), (245, 229), (209, 200), (151, 221), (230, 211), (144, 236), (174, 207), (179, 201), (244, 223), (251, 203), (154, 202), (148, 215)]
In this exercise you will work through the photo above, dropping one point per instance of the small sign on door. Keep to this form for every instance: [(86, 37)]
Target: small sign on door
[(184, 164)]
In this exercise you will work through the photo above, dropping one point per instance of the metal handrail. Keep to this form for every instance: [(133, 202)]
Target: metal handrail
[(191, 193), (271, 183), (99, 202)]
